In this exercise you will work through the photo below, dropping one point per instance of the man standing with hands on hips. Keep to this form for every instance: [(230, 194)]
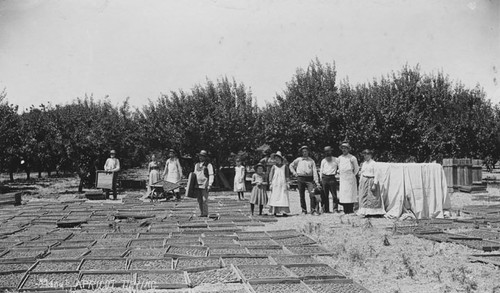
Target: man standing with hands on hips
[(112, 165), (305, 170), (328, 169), (204, 172)]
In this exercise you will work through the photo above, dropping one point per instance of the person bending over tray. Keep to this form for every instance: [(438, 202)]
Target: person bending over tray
[(112, 165), (204, 172)]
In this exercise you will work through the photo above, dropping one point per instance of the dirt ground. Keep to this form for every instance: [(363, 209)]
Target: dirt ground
[(364, 249)]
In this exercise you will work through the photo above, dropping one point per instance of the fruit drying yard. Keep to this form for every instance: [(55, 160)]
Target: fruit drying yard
[(79, 245), (56, 239)]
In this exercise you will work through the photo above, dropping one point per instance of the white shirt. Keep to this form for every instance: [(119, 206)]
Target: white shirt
[(112, 165), (368, 168), (329, 167), (203, 181)]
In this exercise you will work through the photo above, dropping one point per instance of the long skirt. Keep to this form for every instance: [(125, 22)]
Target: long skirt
[(259, 195), (154, 176), (370, 202)]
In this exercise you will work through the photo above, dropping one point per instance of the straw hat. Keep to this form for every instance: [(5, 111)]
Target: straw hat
[(203, 153), (345, 145), (278, 154)]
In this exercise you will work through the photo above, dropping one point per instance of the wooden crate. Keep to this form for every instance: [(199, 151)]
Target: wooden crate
[(104, 180), (11, 198)]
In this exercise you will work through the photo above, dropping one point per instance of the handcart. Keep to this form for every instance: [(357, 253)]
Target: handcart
[(161, 189)]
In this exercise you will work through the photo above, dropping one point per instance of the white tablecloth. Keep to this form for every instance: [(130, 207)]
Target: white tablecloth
[(420, 188)]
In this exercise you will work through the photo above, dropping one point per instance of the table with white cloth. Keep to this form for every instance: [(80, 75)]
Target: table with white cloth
[(419, 188)]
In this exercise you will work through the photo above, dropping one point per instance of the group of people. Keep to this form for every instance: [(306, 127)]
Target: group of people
[(271, 183)]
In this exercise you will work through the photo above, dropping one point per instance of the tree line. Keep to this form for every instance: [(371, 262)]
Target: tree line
[(403, 114)]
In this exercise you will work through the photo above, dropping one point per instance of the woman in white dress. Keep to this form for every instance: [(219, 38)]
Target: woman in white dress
[(173, 171), (348, 168), (239, 179), (370, 201), (279, 202)]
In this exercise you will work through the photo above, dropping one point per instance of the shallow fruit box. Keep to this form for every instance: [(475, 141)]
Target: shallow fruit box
[(56, 265), (147, 243), (147, 235), (294, 259), (253, 234), (184, 263), (187, 251), (99, 279), (147, 252), (252, 272), (11, 280), (121, 235), (283, 233), (15, 266), (335, 286), (76, 244), (484, 245), (314, 271), (218, 240), (308, 249), (266, 250), (103, 264), (280, 286), (227, 250), (257, 242), (120, 252), (166, 263), (39, 281), (245, 259), (67, 253), (486, 258), (23, 254), (87, 236), (161, 279), (111, 242), (215, 276), (295, 240)]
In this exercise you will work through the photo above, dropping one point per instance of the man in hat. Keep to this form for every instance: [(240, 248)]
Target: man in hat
[(204, 172), (328, 170), (304, 168), (173, 171), (112, 165), (348, 169)]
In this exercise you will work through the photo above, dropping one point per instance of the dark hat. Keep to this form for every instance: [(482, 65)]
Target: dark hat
[(112, 152), (303, 148), (203, 153), (328, 149), (345, 145), (259, 165), (172, 151)]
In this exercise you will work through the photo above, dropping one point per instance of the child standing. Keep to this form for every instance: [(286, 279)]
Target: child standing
[(278, 200), (239, 179), (259, 195)]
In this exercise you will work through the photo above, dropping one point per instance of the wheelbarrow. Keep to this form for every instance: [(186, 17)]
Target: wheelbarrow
[(160, 189)]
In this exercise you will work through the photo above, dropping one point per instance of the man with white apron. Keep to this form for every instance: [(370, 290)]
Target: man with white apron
[(348, 169)]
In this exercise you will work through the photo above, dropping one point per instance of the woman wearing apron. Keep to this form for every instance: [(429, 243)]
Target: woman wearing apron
[(279, 202), (173, 171), (154, 172), (348, 168)]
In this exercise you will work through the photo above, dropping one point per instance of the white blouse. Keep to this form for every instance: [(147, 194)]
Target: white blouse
[(368, 168)]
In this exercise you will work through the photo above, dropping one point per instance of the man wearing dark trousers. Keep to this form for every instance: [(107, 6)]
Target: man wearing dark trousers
[(304, 169), (205, 176), (328, 170)]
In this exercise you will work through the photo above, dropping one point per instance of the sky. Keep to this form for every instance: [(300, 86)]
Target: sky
[(58, 50)]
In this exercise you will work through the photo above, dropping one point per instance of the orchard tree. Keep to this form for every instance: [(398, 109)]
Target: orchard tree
[(10, 134)]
